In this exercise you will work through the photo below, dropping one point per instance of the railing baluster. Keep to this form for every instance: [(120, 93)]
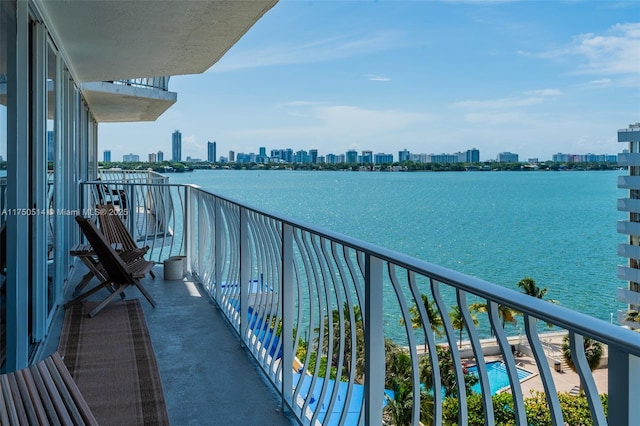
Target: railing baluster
[(507, 355), (413, 355), (286, 294), (373, 341), (579, 360), (487, 404), (624, 398), (245, 276), (455, 354), (530, 326)]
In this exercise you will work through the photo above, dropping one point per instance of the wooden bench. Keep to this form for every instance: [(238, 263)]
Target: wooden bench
[(43, 394)]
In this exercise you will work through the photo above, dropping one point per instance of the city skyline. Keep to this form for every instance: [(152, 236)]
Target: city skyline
[(470, 155), (525, 77)]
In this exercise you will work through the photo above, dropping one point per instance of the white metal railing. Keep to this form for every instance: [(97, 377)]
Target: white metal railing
[(152, 82), (352, 333)]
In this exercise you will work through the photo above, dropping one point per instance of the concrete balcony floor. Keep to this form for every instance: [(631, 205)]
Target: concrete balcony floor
[(207, 376)]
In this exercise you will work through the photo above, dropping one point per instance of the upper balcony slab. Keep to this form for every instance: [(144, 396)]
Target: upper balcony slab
[(112, 102), (115, 40)]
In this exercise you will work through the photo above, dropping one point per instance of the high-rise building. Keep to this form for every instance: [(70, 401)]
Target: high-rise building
[(443, 158), (404, 155), (301, 157), (262, 155), (473, 155), (232, 156), (50, 145), (160, 156), (130, 158), (153, 157), (507, 157), (352, 156), (313, 156), (631, 248), (211, 152), (382, 158), (282, 155), (176, 146), (106, 156)]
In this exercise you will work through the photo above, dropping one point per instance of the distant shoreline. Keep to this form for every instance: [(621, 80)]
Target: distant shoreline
[(180, 167)]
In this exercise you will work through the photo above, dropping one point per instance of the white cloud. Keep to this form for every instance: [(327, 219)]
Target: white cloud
[(614, 53), (505, 103), (544, 92), (600, 83), (344, 125), (305, 52), (492, 118), (373, 77)]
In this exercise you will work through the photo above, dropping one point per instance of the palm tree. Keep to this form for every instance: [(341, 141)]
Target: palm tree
[(505, 313), (435, 320), (350, 314), (448, 380), (457, 320), (593, 350), (529, 287)]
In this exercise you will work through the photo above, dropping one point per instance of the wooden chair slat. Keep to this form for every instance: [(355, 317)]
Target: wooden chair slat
[(78, 400), (118, 274), (31, 397), (43, 393), (9, 414), (116, 233), (60, 410), (21, 412)]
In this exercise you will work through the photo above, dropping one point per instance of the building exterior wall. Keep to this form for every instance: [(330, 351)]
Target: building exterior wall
[(50, 144), (630, 250)]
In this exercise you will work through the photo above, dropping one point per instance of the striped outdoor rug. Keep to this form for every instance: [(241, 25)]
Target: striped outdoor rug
[(111, 359)]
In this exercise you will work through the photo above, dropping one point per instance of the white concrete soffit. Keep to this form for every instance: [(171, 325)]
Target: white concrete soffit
[(105, 40)]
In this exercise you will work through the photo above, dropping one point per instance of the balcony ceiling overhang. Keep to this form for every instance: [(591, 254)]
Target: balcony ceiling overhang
[(104, 40), (116, 103)]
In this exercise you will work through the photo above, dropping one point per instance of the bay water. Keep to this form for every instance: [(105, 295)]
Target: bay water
[(557, 227)]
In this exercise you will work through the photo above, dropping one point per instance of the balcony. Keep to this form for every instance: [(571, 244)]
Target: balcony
[(141, 99), (328, 320), (205, 371)]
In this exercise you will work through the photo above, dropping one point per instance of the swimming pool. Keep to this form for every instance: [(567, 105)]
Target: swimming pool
[(498, 378)]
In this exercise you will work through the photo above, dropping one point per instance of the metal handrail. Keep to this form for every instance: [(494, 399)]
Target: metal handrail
[(151, 82), (298, 294)]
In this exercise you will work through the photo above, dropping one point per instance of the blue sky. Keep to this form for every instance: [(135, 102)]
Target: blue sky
[(534, 78)]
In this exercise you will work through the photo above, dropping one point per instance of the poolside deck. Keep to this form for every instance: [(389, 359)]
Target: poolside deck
[(565, 380), (207, 377)]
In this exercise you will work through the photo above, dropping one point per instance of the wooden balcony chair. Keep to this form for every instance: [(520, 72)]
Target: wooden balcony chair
[(117, 274), (117, 234), (43, 394)]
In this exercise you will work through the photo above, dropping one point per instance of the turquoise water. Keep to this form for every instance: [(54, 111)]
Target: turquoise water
[(497, 374), (557, 227)]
